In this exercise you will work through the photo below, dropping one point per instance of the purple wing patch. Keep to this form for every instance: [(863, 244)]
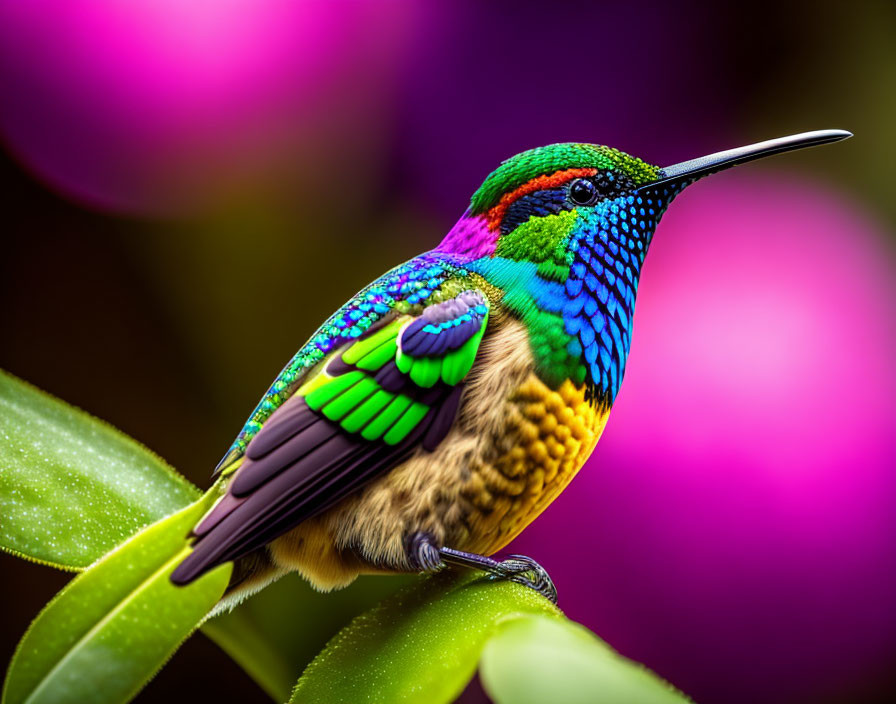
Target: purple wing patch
[(443, 419), (444, 326), (391, 378)]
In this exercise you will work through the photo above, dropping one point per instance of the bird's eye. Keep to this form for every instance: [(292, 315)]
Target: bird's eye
[(582, 191)]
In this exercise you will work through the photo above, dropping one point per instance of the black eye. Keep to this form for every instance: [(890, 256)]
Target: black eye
[(582, 191)]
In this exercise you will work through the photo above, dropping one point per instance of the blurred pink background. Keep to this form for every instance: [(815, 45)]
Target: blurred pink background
[(174, 170), (738, 512)]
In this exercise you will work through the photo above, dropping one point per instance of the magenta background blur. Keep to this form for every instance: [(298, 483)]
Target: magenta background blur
[(190, 188)]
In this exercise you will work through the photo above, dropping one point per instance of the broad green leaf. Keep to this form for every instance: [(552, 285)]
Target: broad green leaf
[(110, 630), (535, 659), (277, 632), (420, 645), (71, 486)]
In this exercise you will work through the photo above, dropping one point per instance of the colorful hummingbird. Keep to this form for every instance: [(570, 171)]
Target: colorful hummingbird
[(445, 406)]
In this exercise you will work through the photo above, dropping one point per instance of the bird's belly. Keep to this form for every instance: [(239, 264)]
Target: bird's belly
[(514, 447), (549, 436)]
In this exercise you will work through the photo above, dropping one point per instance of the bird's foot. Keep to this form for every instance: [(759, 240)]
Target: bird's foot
[(526, 571), (517, 568), (426, 557)]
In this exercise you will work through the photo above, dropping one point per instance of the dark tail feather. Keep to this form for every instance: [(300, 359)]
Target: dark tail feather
[(293, 478), (194, 565), (204, 555)]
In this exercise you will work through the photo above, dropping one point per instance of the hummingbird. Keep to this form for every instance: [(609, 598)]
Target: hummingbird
[(438, 412)]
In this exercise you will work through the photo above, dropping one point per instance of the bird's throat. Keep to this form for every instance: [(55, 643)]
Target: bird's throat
[(564, 319), (578, 307)]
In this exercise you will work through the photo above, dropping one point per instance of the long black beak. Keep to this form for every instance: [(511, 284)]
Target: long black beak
[(688, 171)]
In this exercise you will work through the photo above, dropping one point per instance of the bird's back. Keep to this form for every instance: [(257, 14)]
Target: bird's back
[(402, 289)]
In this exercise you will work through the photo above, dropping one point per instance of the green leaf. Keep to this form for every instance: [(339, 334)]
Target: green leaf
[(251, 648), (110, 630), (277, 632), (534, 659), (65, 500), (71, 486), (420, 645)]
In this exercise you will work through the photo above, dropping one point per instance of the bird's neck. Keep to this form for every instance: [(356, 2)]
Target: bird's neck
[(600, 291), (577, 304)]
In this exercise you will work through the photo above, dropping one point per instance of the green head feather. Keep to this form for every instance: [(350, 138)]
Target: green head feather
[(525, 166)]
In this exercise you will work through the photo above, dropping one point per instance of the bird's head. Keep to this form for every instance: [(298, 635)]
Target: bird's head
[(539, 202), (562, 232)]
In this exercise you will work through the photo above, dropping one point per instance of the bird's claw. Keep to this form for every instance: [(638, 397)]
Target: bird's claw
[(526, 571), (424, 556)]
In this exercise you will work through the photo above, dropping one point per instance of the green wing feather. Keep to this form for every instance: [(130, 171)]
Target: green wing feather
[(352, 396)]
